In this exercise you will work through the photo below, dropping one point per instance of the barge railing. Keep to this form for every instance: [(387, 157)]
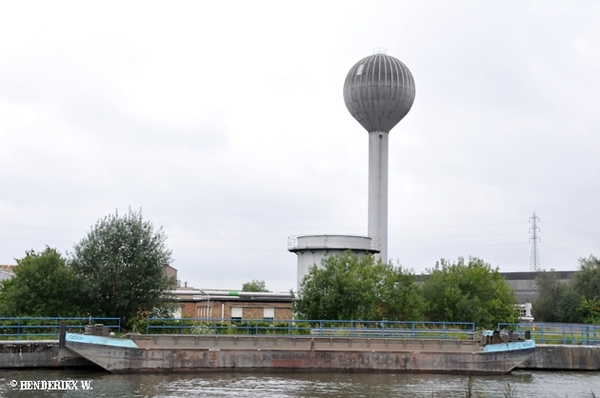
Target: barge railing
[(345, 328), (557, 333), (43, 328)]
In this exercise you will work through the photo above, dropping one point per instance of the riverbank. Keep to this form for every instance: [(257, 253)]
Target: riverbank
[(38, 354), (563, 357)]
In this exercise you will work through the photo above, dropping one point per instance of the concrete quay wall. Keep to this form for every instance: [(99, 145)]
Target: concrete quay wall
[(563, 357), (37, 354)]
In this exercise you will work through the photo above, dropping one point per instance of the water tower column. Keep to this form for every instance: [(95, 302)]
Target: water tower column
[(378, 189), (379, 90)]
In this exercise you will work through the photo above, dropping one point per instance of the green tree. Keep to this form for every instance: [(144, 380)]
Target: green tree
[(550, 289), (587, 280), (400, 297), (43, 286), (474, 292), (568, 305), (349, 287), (577, 301), (254, 286), (587, 284), (120, 266), (573, 302), (589, 311)]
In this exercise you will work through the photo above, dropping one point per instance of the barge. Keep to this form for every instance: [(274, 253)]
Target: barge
[(489, 354)]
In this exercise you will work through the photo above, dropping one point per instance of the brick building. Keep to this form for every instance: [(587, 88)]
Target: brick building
[(237, 305)]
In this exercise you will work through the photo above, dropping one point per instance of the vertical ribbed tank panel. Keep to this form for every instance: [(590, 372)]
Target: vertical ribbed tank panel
[(379, 91)]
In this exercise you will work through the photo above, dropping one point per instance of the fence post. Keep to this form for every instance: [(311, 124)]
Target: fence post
[(587, 335), (543, 341), (62, 336), (572, 335)]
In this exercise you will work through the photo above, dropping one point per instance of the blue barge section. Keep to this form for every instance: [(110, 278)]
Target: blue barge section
[(99, 340)]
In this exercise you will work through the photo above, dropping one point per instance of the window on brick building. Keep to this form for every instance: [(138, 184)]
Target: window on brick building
[(268, 314), (237, 313), (176, 313)]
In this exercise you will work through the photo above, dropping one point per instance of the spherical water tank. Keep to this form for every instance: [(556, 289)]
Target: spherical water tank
[(379, 91)]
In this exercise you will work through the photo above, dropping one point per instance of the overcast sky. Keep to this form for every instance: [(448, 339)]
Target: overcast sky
[(225, 123)]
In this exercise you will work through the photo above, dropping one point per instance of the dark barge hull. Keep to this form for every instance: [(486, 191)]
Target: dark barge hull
[(155, 353)]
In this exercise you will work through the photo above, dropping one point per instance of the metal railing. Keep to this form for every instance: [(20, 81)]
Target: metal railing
[(340, 242), (49, 328), (557, 333), (384, 329)]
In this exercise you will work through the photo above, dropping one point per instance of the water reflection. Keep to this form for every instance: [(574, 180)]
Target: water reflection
[(318, 385)]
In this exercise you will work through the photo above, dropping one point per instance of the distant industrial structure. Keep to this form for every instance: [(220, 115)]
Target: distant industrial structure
[(311, 249), (7, 272), (525, 286), (534, 261), (379, 91)]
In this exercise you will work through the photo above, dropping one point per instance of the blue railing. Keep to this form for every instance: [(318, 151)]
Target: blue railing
[(49, 328), (557, 333), (389, 329)]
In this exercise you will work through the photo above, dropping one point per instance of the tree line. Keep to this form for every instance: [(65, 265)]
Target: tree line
[(349, 287), (577, 301), (352, 287), (116, 270)]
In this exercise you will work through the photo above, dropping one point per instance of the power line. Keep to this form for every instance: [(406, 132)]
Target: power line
[(568, 219), (457, 247), (586, 233)]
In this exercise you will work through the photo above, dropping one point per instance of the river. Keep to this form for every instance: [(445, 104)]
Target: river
[(523, 384)]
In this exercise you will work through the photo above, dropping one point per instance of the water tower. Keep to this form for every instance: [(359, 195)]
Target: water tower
[(379, 91)]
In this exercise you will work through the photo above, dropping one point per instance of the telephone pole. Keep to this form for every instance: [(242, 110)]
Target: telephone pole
[(534, 262)]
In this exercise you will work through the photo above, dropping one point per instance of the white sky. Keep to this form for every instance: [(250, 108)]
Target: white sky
[(225, 123)]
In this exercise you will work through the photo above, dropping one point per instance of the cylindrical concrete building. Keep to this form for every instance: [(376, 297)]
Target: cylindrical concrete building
[(312, 249), (379, 91)]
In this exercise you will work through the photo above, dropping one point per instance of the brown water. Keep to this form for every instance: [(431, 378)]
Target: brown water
[(292, 385)]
